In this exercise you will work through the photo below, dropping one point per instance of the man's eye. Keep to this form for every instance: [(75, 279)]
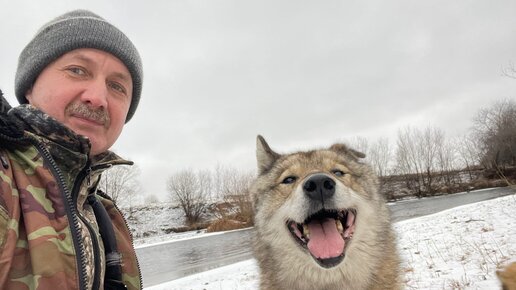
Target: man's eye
[(117, 87), (289, 180), (77, 70)]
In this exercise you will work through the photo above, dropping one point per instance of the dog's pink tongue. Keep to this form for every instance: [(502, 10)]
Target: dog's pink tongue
[(325, 240)]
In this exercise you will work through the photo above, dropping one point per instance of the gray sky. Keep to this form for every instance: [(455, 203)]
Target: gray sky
[(301, 73)]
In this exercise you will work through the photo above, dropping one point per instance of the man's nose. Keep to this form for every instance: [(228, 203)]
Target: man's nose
[(95, 94)]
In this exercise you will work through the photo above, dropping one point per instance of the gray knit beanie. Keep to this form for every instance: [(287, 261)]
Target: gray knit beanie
[(73, 30)]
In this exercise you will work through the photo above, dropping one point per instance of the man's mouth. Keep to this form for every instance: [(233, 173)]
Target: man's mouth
[(325, 235)]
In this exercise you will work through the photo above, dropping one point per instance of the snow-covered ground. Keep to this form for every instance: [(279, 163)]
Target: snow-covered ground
[(458, 248)]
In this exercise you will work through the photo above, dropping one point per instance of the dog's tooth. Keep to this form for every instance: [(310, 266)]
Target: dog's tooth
[(351, 220), (340, 228), (306, 231), (348, 234)]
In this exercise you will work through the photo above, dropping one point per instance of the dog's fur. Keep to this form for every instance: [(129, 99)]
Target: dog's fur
[(280, 200), (508, 277)]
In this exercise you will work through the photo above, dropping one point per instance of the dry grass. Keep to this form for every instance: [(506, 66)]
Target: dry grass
[(234, 213), (226, 225), (187, 228), (459, 285)]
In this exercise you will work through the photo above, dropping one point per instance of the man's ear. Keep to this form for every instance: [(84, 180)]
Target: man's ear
[(343, 149), (264, 155), (28, 95)]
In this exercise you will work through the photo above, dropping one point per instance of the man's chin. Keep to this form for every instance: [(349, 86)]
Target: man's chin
[(100, 137), (97, 143), (97, 149)]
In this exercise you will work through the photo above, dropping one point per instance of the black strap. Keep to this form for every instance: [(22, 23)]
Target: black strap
[(113, 277), (9, 126)]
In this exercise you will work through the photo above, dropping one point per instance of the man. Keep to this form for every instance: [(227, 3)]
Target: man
[(78, 81)]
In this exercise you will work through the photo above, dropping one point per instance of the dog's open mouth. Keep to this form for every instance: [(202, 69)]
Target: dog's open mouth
[(325, 234)]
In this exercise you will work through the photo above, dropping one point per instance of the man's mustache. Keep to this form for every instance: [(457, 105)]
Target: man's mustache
[(83, 110)]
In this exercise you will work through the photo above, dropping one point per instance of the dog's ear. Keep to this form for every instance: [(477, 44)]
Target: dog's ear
[(343, 149), (264, 155)]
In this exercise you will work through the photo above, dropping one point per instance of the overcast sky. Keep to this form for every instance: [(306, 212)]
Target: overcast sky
[(301, 73)]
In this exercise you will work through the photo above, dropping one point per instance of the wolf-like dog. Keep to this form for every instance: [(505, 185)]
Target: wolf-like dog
[(320, 222), (507, 277)]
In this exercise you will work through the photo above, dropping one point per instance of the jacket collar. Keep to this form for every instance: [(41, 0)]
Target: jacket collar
[(41, 124), (52, 131)]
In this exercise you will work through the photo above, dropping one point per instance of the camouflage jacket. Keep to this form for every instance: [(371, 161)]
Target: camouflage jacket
[(49, 235)]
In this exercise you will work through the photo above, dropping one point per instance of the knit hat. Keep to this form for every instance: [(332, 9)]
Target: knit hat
[(73, 30)]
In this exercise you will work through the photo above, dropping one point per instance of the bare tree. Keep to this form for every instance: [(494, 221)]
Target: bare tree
[(446, 159), (359, 143), (205, 180), (430, 140), (407, 160), (191, 191), (236, 182), (380, 156), (416, 153), (468, 152), (219, 174), (509, 71), (236, 192), (495, 128), (121, 184), (233, 186)]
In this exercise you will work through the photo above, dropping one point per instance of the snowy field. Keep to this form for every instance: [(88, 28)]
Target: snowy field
[(458, 248)]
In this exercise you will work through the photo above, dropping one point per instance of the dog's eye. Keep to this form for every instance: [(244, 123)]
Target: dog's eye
[(289, 180), (337, 172)]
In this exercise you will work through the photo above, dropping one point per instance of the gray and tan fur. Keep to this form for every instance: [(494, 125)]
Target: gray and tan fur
[(507, 276), (357, 255)]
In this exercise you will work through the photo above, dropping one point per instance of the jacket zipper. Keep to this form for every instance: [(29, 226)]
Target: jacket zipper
[(132, 239), (69, 206), (96, 253), (85, 173)]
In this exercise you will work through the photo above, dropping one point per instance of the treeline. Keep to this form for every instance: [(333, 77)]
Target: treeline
[(425, 162)]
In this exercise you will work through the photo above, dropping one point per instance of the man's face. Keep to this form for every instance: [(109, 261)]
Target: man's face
[(89, 91)]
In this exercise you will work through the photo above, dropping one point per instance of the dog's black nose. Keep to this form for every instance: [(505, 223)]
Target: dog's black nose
[(319, 187)]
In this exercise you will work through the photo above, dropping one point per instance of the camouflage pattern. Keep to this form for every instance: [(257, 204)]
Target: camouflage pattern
[(36, 244)]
